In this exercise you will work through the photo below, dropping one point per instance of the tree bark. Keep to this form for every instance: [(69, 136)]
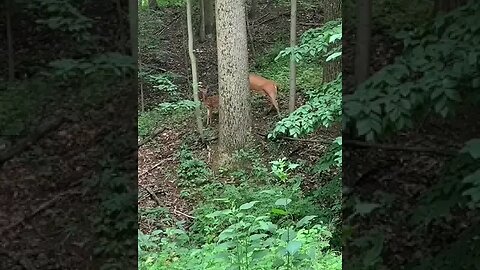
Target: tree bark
[(209, 7), (11, 61), (193, 62), (362, 46), (234, 106), (332, 11), (293, 43), (202, 21)]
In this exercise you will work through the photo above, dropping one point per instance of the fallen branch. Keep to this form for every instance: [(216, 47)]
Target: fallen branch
[(153, 195), (41, 208), (154, 167), (390, 147), (274, 17), (309, 24), (168, 24), (183, 214), (25, 143), (149, 138)]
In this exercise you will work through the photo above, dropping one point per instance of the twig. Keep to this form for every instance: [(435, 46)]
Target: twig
[(24, 262), (42, 207), (398, 148), (258, 19), (154, 196), (309, 24), (153, 135), (25, 143), (183, 214), (274, 17), (154, 167), (170, 23)]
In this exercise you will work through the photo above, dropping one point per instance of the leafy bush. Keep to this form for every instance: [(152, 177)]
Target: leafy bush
[(249, 242), (432, 75), (177, 112), (437, 73)]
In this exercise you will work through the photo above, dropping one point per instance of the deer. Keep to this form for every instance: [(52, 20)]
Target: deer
[(265, 87), (210, 102)]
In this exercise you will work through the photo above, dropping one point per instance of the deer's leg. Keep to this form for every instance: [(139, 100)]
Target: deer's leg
[(209, 116)]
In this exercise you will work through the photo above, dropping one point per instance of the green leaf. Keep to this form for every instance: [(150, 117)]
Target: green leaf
[(293, 247), (365, 208), (472, 147), (280, 212), (247, 206), (283, 202), (259, 254), (226, 234), (304, 221)]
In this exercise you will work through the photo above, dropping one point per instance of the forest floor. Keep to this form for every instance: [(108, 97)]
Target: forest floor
[(158, 161)]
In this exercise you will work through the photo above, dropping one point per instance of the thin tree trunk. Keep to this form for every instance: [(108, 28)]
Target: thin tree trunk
[(142, 99), (193, 61), (332, 11), (234, 107), (209, 9), (293, 67), (362, 46), (11, 62), (202, 21)]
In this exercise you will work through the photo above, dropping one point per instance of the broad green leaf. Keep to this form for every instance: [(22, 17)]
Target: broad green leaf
[(293, 247), (247, 206), (283, 202)]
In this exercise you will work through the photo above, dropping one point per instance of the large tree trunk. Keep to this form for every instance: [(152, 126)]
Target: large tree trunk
[(293, 43), (133, 19), (234, 109), (332, 11), (209, 9), (362, 46), (193, 61)]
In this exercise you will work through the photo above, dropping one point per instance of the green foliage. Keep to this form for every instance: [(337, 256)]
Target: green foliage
[(164, 114), (161, 83), (118, 199), (191, 172), (281, 167), (318, 42), (62, 15), (321, 110), (108, 63), (162, 3), (431, 76), (249, 242), (437, 73), (228, 195)]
